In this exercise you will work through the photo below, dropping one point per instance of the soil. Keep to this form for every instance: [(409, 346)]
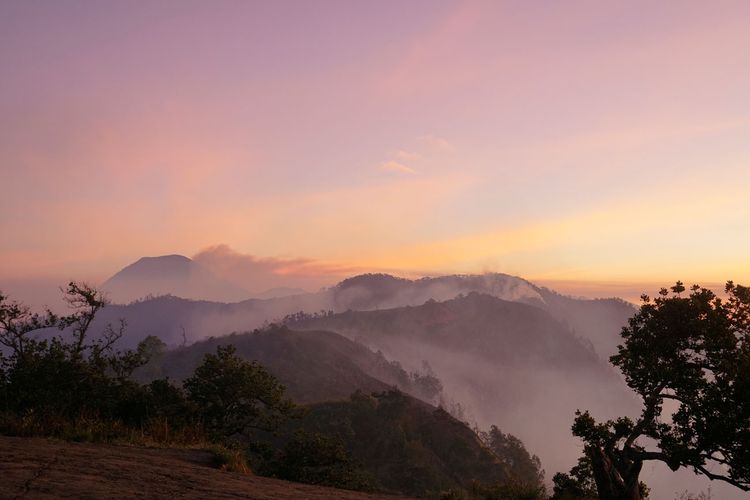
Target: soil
[(42, 468)]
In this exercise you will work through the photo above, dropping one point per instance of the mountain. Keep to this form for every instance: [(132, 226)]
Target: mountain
[(369, 291), (407, 446), (505, 362), (170, 274), (354, 396), (501, 362), (314, 366), (599, 321), (483, 326)]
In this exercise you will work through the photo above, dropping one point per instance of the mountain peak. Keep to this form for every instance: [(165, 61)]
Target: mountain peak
[(161, 263), (166, 258), (371, 279), (171, 274)]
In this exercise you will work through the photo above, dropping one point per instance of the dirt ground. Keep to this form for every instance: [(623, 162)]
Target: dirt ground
[(40, 468)]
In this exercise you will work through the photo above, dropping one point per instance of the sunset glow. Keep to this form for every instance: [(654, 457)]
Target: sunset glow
[(585, 141)]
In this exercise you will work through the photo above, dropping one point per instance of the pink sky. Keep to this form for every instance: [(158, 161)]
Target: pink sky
[(578, 141)]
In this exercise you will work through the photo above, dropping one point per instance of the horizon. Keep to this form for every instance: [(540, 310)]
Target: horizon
[(47, 292)]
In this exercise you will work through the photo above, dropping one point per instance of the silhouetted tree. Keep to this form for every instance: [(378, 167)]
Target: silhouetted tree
[(693, 352), (512, 452), (234, 395), (17, 323), (578, 484), (86, 301), (68, 374), (315, 458)]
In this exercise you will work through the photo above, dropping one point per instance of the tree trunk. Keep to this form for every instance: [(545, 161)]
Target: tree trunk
[(613, 482)]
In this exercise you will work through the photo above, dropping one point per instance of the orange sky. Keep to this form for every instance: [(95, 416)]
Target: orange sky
[(584, 141)]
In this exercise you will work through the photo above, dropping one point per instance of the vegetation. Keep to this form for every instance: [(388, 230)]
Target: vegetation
[(409, 447), (576, 485), (68, 376), (526, 468), (234, 396), (315, 458), (692, 352), (58, 379), (315, 366)]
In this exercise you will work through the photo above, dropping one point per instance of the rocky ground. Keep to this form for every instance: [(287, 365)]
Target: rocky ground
[(41, 468)]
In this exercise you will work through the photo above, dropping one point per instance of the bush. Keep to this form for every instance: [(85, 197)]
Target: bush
[(314, 458)]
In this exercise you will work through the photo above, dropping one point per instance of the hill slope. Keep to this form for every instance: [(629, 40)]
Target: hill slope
[(406, 445), (40, 468), (314, 366)]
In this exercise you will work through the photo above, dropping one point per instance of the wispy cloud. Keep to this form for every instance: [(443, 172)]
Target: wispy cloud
[(435, 142), (395, 166), (406, 156), (423, 150)]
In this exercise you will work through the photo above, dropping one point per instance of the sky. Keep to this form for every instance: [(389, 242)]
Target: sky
[(581, 143)]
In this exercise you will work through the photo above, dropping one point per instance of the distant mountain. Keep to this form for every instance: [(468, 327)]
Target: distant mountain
[(483, 326), (170, 274), (383, 291), (598, 321)]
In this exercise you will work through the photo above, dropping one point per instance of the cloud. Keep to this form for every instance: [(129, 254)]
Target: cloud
[(395, 166), (423, 151), (403, 155), (437, 143), (259, 274)]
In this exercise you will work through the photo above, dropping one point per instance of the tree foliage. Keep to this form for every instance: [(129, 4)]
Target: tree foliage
[(234, 395), (578, 484), (315, 458), (69, 373), (526, 467), (688, 358), (54, 371)]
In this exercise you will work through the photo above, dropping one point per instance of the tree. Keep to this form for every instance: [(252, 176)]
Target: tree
[(578, 484), (512, 452), (688, 358), (315, 458), (17, 322), (234, 395), (86, 301), (69, 374)]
